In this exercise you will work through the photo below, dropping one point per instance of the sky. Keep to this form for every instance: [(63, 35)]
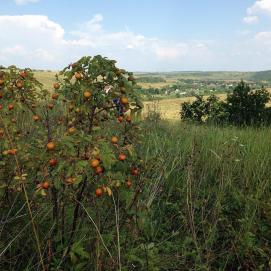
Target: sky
[(142, 35)]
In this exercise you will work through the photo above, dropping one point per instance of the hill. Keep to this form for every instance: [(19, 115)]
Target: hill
[(261, 76), (209, 75)]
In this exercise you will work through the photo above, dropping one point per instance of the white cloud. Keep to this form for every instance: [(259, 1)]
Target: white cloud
[(95, 23), (31, 40), (260, 6), (14, 50), (43, 55), (38, 42), (23, 2), (251, 19)]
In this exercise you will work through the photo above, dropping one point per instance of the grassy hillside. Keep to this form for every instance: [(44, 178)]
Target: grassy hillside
[(261, 76), (83, 191)]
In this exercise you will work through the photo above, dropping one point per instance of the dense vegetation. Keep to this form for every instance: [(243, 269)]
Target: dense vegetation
[(243, 106)]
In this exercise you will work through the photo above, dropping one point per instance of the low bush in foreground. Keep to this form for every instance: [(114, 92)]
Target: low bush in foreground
[(69, 167)]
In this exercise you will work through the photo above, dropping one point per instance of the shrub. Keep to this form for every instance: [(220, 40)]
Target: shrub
[(210, 110), (194, 111), (216, 111), (246, 106), (71, 157)]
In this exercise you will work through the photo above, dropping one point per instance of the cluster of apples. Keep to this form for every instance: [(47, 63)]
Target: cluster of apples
[(15, 83)]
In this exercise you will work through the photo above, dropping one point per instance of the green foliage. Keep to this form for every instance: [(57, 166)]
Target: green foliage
[(210, 110), (245, 106), (195, 111), (242, 107)]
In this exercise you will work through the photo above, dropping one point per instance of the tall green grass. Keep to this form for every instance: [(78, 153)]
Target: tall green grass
[(208, 202)]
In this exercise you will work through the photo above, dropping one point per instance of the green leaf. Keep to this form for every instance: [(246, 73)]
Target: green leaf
[(96, 128), (2, 190), (57, 184), (107, 155), (78, 179), (81, 165), (78, 249)]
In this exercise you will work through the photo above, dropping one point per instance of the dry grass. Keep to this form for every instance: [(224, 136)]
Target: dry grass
[(46, 78)]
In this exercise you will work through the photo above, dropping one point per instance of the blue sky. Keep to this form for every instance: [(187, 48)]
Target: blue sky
[(153, 35)]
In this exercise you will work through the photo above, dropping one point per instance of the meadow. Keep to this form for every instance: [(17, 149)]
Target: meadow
[(195, 197)]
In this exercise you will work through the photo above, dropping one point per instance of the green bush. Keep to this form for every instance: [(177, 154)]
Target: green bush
[(242, 107), (210, 110), (245, 106), (70, 173)]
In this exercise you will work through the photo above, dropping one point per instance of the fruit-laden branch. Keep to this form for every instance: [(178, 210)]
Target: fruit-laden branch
[(78, 197)]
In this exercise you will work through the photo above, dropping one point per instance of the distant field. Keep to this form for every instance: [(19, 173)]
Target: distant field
[(46, 78), (156, 85)]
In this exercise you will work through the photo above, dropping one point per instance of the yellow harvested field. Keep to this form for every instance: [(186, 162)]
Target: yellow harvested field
[(46, 78), (168, 108)]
